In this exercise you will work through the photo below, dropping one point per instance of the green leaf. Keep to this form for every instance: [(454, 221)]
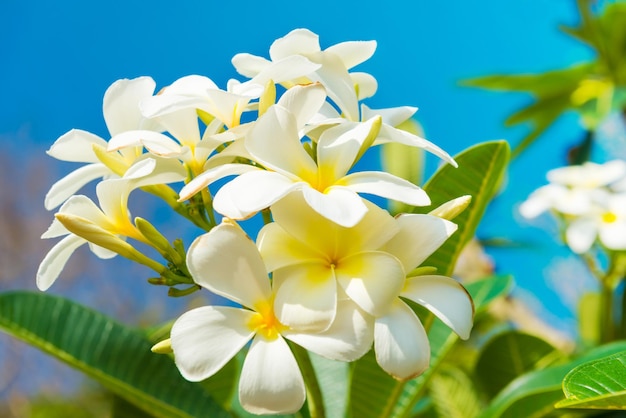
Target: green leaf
[(534, 394), (117, 356), (454, 394), (511, 354), (597, 384), (480, 171), (333, 378)]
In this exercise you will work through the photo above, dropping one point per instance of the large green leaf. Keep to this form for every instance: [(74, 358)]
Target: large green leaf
[(373, 393), (534, 394), (117, 356), (511, 354), (597, 384), (480, 170)]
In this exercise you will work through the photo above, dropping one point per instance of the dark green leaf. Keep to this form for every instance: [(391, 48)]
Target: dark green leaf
[(117, 356), (511, 354)]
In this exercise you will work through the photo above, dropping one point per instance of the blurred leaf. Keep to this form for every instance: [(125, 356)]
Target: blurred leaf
[(597, 384), (121, 408), (333, 378), (453, 394), (117, 356), (480, 171), (511, 354), (589, 317), (534, 394)]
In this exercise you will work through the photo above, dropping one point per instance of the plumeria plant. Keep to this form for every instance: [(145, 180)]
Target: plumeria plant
[(344, 299)]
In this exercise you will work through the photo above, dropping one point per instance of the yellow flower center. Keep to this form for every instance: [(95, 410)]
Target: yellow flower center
[(609, 217), (265, 323)]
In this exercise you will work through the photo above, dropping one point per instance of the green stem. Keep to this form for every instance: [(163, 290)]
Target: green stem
[(607, 323), (394, 396), (313, 391)]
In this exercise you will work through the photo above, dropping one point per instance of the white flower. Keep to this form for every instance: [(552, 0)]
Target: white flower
[(275, 143), (121, 113), (111, 216), (226, 262), (297, 58), (606, 221)]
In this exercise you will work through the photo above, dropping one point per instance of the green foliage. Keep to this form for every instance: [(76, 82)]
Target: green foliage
[(534, 394), (511, 354), (589, 89), (117, 356), (597, 384), (454, 394), (480, 171)]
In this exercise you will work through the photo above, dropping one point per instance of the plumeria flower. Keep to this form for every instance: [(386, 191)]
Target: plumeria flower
[(226, 262), (274, 142), (111, 215), (309, 63), (121, 113), (314, 261), (605, 222), (400, 340)]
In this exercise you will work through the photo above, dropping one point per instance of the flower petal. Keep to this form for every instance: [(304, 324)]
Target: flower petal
[(81, 206), (349, 337), (613, 235), (280, 249), (581, 234), (401, 344), (306, 296), (54, 262), (296, 42), (270, 381), (446, 298), (419, 236), (212, 175), (385, 185), (274, 142), (390, 134), (76, 146), (373, 280), (71, 183), (365, 84), (338, 204), (155, 142), (227, 262), (249, 65), (352, 53), (303, 102), (251, 192), (392, 116), (206, 338), (121, 103)]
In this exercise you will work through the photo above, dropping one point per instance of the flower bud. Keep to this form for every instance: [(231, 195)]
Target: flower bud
[(162, 347), (452, 208)]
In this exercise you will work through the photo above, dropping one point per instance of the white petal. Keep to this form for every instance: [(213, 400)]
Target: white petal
[(164, 171), (338, 204), (352, 53), (401, 344), (274, 142), (366, 85), (303, 102), (280, 249), (419, 236), (84, 207), (76, 146), (271, 382), (580, 235), (157, 143), (249, 65), (391, 134), (181, 124), (373, 280), (349, 337), (613, 235), (446, 298), (296, 42), (54, 262), (206, 338), (333, 74), (393, 116), (385, 185), (101, 252), (74, 181), (209, 176), (113, 199), (285, 70), (306, 296), (251, 192), (121, 103), (227, 262)]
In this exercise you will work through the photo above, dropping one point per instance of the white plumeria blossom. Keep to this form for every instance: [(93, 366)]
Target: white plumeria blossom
[(606, 221), (308, 63), (275, 143), (111, 215), (226, 262), (121, 113)]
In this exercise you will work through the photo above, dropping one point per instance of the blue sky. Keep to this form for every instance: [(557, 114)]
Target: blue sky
[(59, 57)]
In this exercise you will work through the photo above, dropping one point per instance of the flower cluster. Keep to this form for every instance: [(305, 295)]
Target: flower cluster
[(329, 272), (589, 199)]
